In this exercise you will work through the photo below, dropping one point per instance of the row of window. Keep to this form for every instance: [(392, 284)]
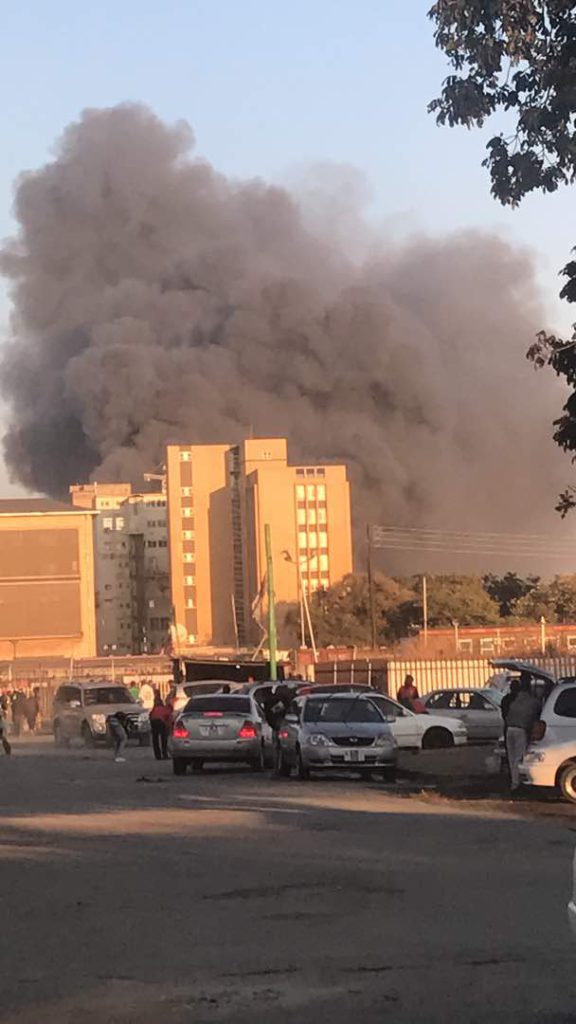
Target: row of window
[(156, 543), (109, 523), (312, 492), (311, 471), (313, 539), (312, 516), (155, 522)]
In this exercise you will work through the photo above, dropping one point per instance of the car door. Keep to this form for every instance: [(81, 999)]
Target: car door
[(267, 733), (70, 711), (481, 717), (404, 723)]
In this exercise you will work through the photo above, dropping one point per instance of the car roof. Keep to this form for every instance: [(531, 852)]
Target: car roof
[(85, 683)]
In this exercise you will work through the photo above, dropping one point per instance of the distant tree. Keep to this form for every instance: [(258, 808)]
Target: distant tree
[(508, 589), (518, 58), (554, 601), (341, 614), (461, 599)]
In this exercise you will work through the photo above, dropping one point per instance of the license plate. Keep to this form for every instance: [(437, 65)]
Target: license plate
[(354, 755), (209, 730)]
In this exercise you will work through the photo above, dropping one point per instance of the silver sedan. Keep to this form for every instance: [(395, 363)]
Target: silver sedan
[(222, 727), (479, 709), (335, 731)]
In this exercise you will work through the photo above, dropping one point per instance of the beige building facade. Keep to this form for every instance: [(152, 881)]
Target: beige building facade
[(47, 592), (131, 555), (220, 498)]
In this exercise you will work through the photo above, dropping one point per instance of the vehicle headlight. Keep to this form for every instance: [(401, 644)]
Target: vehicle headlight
[(384, 740), (318, 739), (99, 722), (533, 756)]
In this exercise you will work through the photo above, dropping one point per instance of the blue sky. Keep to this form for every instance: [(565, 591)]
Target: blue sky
[(268, 86)]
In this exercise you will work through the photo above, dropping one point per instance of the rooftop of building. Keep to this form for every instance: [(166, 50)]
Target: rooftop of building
[(36, 506)]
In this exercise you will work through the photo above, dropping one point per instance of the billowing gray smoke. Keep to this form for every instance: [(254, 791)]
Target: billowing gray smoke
[(157, 300)]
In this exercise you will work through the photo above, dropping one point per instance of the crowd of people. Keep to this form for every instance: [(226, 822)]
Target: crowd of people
[(19, 710)]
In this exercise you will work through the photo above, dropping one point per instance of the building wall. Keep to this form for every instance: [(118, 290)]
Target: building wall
[(47, 604), (200, 538), (131, 554)]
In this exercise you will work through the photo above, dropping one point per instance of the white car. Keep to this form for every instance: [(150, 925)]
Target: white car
[(552, 765), (181, 694), (572, 904), (420, 732)]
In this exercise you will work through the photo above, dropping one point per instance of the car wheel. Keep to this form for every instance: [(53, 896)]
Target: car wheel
[(197, 764), (179, 765), (302, 771), (567, 782), (59, 737), (437, 739), (87, 735), (281, 766), (258, 764)]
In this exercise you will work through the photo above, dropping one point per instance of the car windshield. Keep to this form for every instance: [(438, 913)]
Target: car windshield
[(218, 706), (330, 709), (108, 695)]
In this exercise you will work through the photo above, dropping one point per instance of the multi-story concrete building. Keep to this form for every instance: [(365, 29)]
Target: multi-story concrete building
[(47, 606), (132, 586), (220, 497)]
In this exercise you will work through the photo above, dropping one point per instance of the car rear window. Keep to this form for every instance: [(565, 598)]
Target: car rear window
[(195, 689), (218, 705), (330, 709), (108, 695)]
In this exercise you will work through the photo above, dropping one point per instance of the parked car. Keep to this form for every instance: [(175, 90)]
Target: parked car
[(479, 710), (411, 730), (220, 727), (81, 708), (327, 732), (552, 765), (181, 694), (414, 731), (572, 904), (510, 668)]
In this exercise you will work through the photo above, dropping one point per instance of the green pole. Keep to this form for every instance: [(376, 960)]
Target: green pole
[(272, 643)]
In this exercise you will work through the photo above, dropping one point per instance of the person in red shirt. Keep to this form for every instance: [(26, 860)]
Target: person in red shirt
[(161, 723), (408, 692)]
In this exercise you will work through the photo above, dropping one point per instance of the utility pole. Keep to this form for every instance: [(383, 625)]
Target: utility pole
[(371, 599), (425, 609), (272, 644)]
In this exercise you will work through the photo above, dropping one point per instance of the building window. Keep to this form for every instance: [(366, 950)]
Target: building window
[(487, 645), (299, 472), (191, 638), (571, 642), (313, 539), (187, 534), (300, 491), (310, 472), (321, 492), (312, 516), (190, 581), (311, 492), (187, 512), (302, 540), (320, 472), (322, 515), (190, 602), (323, 539), (119, 522), (324, 582), (188, 556), (186, 492), (465, 646), (162, 543), (151, 544), (301, 517), (324, 562), (108, 586), (185, 456), (108, 523)]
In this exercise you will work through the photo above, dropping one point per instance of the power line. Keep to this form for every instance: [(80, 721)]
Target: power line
[(460, 542)]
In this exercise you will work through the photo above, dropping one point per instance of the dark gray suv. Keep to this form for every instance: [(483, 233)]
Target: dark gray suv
[(81, 708)]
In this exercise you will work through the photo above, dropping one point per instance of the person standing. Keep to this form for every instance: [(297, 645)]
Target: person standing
[(32, 709), (19, 705), (408, 692), (3, 729), (523, 712), (160, 717), (507, 701), (116, 723)]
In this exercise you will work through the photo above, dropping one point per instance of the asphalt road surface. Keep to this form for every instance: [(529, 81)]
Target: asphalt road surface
[(129, 895)]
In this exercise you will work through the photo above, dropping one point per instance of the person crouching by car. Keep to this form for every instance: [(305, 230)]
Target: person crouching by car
[(116, 723), (160, 723)]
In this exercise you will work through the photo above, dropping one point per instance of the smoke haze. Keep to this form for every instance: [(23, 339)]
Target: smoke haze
[(156, 300)]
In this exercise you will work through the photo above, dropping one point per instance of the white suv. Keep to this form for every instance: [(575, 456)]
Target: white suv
[(81, 708), (551, 759)]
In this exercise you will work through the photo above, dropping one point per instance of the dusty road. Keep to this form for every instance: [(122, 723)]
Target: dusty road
[(228, 897)]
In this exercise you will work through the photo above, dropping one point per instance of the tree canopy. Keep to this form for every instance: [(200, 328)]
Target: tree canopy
[(517, 58)]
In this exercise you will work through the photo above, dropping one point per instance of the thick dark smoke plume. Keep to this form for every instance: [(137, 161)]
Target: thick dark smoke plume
[(156, 300)]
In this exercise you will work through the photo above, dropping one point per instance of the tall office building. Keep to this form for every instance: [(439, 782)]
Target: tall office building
[(131, 554), (220, 497)]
